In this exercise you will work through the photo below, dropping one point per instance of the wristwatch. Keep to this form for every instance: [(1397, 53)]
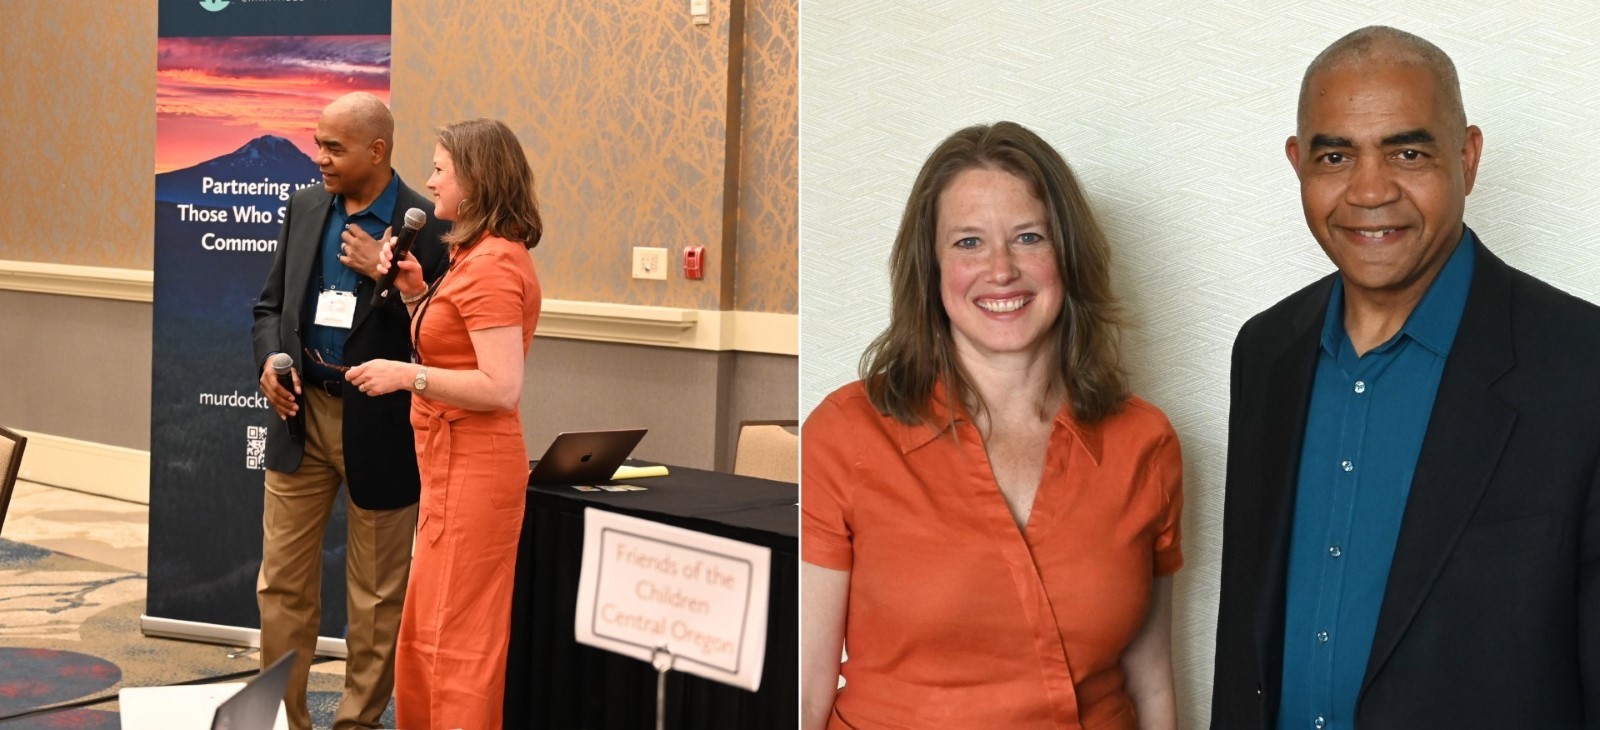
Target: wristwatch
[(420, 383)]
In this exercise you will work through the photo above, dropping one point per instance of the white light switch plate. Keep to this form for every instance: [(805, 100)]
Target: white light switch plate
[(649, 262)]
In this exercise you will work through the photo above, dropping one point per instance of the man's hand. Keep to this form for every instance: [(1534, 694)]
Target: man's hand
[(282, 400), (359, 251)]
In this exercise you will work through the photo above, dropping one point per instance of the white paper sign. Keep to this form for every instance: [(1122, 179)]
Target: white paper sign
[(646, 586)]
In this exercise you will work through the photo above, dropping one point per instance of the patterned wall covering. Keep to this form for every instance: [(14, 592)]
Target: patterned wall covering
[(1174, 115), (622, 105), (77, 113), (769, 222)]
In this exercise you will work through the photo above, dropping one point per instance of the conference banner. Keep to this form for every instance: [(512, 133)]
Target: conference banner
[(239, 87)]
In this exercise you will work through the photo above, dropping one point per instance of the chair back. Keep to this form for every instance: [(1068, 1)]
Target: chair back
[(11, 445), (768, 450)]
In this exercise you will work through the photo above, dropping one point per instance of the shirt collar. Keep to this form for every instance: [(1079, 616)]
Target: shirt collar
[(382, 208), (940, 420), (1434, 322)]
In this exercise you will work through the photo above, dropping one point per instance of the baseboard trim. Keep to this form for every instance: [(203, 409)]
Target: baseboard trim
[(85, 466), (695, 329), (171, 628), (773, 333)]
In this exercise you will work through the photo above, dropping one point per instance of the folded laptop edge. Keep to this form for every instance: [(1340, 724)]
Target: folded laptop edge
[(585, 456)]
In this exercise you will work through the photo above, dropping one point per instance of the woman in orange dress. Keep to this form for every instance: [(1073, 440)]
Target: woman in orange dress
[(990, 518), (470, 336)]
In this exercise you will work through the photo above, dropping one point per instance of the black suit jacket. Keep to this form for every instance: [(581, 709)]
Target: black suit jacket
[(379, 451), (1491, 616)]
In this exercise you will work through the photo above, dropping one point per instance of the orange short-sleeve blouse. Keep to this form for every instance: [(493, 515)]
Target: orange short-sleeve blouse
[(491, 284), (956, 617)]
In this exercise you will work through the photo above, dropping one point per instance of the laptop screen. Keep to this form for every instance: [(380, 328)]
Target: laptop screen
[(255, 706)]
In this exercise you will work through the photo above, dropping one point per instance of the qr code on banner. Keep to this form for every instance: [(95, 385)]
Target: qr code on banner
[(255, 447)]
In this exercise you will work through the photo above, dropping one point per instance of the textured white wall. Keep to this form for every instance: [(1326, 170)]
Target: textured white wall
[(1173, 115)]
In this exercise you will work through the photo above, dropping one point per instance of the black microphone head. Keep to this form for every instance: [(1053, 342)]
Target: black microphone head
[(281, 362), (416, 219)]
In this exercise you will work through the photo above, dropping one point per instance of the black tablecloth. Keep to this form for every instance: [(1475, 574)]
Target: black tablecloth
[(554, 682)]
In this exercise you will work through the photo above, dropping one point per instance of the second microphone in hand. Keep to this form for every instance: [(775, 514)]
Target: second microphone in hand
[(415, 220), (282, 366)]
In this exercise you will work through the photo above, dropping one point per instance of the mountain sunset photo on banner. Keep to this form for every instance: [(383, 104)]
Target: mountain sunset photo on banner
[(215, 94)]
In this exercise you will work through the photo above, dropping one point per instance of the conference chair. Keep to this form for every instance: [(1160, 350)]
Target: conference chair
[(11, 445), (768, 450)]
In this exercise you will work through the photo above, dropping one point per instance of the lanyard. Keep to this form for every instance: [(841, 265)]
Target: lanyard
[(422, 310)]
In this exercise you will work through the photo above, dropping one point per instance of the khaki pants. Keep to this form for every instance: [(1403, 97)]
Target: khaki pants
[(288, 590)]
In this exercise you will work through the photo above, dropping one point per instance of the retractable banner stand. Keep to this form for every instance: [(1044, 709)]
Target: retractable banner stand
[(240, 84)]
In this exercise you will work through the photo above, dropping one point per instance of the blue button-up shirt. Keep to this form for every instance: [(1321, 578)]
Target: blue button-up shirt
[(331, 274), (1364, 430)]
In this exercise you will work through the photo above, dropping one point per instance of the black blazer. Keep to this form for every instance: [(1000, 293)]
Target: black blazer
[(1491, 616), (379, 451)]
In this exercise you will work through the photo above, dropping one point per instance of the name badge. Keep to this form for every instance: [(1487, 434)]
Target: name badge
[(336, 309)]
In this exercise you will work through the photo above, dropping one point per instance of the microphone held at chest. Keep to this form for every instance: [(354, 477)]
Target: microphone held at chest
[(415, 219)]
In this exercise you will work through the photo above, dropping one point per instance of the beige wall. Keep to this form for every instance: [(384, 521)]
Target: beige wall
[(77, 367), (78, 116), (624, 107), (80, 368), (574, 385)]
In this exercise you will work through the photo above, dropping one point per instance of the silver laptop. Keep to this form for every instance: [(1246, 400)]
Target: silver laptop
[(255, 707), (585, 457)]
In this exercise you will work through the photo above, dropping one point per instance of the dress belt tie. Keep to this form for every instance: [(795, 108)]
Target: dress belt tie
[(436, 464)]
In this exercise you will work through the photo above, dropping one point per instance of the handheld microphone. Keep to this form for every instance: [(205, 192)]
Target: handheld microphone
[(281, 365), (415, 219)]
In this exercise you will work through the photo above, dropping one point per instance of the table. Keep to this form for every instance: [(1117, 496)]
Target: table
[(554, 682)]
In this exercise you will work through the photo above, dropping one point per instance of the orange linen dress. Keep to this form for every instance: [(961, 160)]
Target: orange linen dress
[(451, 659), (956, 618)]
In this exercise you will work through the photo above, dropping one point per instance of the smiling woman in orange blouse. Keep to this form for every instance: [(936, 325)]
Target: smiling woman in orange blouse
[(991, 520)]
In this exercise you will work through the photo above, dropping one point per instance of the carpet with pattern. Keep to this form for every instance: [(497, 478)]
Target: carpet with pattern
[(69, 633)]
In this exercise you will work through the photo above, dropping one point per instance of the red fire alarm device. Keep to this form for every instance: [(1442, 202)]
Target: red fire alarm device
[(694, 262)]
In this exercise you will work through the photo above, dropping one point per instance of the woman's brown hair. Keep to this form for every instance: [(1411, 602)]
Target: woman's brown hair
[(496, 184), (904, 364)]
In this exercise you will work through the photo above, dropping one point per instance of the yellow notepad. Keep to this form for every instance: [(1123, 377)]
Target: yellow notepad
[(637, 472)]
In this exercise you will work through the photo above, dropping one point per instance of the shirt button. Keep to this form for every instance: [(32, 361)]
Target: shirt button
[(1361, 386), (1322, 637), (1346, 465), (1319, 723), (1335, 551)]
